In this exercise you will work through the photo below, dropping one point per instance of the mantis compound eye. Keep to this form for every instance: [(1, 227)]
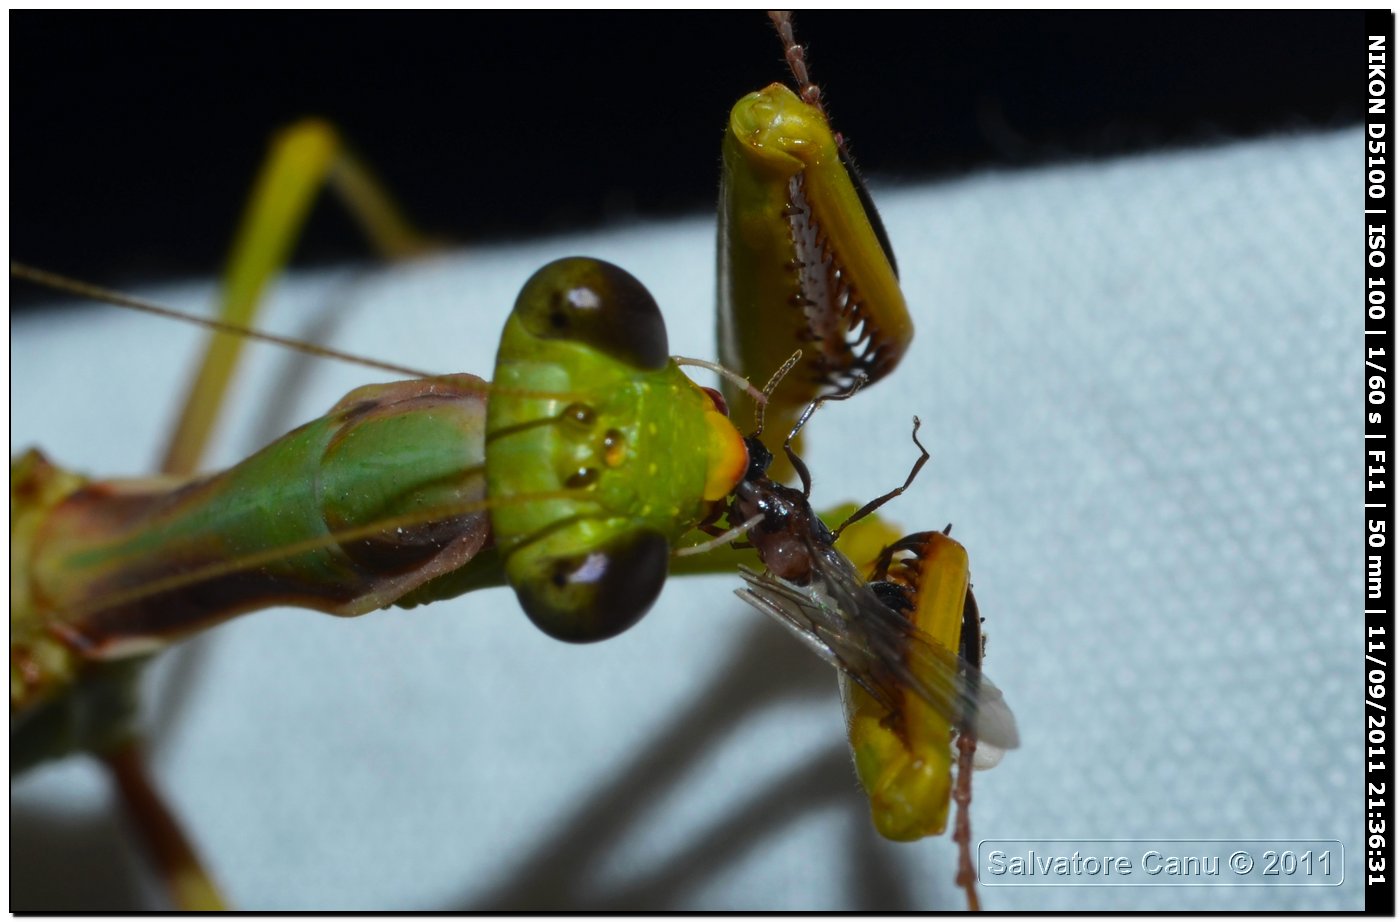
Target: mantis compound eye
[(599, 305), (596, 593)]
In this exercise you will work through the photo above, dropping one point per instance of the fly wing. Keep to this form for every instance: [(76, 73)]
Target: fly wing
[(846, 624)]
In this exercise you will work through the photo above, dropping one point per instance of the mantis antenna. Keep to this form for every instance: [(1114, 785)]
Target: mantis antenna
[(83, 289), (760, 397)]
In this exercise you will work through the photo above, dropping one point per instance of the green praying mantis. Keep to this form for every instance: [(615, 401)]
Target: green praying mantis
[(529, 444)]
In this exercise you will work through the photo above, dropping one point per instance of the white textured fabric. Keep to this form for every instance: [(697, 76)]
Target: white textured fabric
[(1140, 382)]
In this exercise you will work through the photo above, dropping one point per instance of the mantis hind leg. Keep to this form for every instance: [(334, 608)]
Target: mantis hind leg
[(185, 879), (302, 158)]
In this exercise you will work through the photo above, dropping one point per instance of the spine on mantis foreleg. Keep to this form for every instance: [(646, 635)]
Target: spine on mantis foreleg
[(351, 512)]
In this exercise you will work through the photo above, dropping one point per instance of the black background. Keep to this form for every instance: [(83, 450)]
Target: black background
[(134, 137)]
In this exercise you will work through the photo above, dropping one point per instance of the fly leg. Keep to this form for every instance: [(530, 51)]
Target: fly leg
[(879, 501), (797, 464)]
